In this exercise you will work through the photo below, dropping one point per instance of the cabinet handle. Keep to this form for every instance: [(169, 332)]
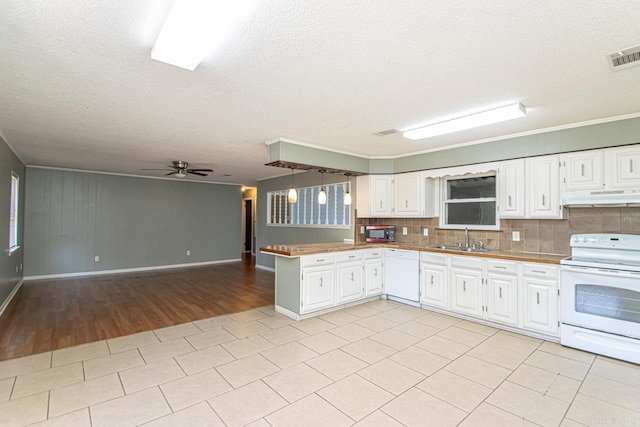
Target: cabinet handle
[(500, 292), (582, 169), (380, 204), (432, 279), (539, 271), (538, 297), (464, 286), (320, 260), (375, 272), (543, 200), (321, 282), (509, 201), (406, 203), (352, 277), (499, 267), (631, 165)]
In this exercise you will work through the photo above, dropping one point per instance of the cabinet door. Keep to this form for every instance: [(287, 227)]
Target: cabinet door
[(408, 194), (349, 286), (373, 285), (502, 299), (317, 288), (540, 305), (434, 286), (511, 189), (543, 187), (381, 195), (623, 167), (466, 287), (583, 171)]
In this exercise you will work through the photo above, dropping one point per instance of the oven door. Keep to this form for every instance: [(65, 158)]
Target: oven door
[(602, 300)]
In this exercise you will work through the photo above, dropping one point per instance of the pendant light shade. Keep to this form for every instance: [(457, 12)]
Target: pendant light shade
[(347, 195), (292, 197), (322, 195)]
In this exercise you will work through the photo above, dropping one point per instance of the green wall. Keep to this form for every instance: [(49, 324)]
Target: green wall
[(128, 222), (8, 263)]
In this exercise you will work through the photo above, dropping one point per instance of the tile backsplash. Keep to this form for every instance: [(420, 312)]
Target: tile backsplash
[(536, 235)]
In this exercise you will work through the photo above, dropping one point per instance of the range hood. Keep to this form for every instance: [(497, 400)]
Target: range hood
[(595, 198)]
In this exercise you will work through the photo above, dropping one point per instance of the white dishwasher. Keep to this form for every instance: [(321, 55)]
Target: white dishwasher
[(402, 275)]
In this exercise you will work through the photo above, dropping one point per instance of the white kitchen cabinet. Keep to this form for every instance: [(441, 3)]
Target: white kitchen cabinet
[(539, 302), (317, 288), (466, 285), (373, 272), (432, 199), (543, 187), (583, 170), (622, 167), (375, 196), (349, 270), (408, 194), (502, 292), (511, 189), (434, 283)]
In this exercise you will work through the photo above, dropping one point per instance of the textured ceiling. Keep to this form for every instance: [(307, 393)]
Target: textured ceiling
[(78, 88)]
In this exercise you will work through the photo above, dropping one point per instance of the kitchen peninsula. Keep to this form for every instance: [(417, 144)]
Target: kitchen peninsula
[(517, 291)]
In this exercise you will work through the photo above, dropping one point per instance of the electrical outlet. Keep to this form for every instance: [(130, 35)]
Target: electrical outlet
[(404, 231), (96, 258), (515, 236), (362, 229), (188, 252), (425, 232)]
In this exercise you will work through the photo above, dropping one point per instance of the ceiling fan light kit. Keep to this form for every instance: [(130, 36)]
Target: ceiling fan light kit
[(181, 170), (495, 115)]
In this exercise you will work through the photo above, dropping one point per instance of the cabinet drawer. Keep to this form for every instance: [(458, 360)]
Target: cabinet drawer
[(373, 253), (540, 271), (319, 259), (348, 256), (502, 267), (432, 258), (467, 262)]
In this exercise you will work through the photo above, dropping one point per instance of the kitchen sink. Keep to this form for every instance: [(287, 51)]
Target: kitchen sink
[(460, 248)]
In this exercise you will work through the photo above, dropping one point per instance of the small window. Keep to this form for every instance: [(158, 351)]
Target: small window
[(307, 212), (470, 201), (13, 214)]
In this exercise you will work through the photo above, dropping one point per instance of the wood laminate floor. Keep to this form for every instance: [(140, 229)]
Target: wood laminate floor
[(51, 314)]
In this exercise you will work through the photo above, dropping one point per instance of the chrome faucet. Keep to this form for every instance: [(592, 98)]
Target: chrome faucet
[(466, 237)]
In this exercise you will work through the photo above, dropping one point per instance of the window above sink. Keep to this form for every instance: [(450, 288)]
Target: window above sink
[(470, 201)]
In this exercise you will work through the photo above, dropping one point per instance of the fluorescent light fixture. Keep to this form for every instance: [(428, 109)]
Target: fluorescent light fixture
[(488, 117), (195, 28)]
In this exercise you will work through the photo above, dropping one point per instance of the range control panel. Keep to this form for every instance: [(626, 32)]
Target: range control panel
[(606, 240)]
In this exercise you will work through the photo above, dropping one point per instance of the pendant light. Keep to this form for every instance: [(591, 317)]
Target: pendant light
[(292, 197), (347, 195), (322, 196)]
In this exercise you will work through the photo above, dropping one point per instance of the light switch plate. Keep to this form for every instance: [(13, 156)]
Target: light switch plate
[(404, 231), (188, 252), (362, 229), (425, 232), (97, 258), (515, 236)]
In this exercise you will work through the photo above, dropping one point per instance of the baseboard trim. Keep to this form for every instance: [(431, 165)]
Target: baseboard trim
[(264, 267), (128, 270), (12, 294)]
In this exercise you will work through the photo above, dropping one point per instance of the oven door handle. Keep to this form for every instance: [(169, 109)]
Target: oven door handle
[(601, 272)]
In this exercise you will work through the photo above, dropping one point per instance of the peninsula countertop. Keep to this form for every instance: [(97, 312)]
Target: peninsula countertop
[(292, 250)]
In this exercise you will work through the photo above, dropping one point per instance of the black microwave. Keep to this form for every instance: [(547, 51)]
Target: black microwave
[(380, 233)]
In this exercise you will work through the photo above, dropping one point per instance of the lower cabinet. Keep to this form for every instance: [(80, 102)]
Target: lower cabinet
[(349, 282), (434, 282), (374, 275), (317, 288), (502, 292), (540, 298), (466, 286)]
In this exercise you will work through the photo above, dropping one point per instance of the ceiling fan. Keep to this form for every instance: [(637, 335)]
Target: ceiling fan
[(181, 169)]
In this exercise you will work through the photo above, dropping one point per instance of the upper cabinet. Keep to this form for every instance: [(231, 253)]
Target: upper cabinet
[(375, 196), (622, 167), (408, 194), (511, 189), (543, 187), (583, 170)]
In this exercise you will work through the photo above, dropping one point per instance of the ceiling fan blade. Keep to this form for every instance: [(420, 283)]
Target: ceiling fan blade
[(197, 173), (154, 169), (200, 170), (170, 173)]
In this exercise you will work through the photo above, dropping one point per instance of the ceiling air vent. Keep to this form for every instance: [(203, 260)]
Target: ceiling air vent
[(386, 132), (629, 57)]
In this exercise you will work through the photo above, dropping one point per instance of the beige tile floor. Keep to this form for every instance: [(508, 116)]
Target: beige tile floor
[(377, 364)]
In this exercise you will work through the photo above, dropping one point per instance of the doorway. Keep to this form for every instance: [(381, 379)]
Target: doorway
[(247, 224)]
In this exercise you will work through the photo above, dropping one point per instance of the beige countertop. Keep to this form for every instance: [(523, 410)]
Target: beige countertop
[(318, 248)]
